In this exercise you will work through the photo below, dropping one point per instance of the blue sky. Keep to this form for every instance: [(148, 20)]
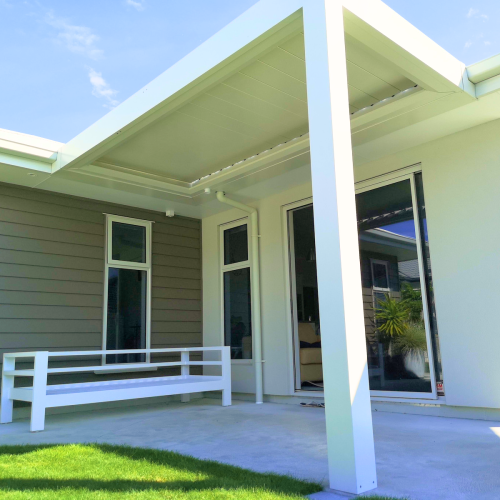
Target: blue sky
[(64, 64)]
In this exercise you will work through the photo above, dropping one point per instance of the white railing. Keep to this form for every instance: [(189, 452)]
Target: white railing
[(43, 396)]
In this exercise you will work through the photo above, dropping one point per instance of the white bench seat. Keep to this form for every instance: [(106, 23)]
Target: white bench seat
[(44, 396), (116, 385)]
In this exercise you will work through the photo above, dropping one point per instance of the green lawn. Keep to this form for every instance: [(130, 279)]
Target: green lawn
[(105, 472)]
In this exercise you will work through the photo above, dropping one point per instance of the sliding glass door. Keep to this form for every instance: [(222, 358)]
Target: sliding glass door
[(396, 277), (400, 320)]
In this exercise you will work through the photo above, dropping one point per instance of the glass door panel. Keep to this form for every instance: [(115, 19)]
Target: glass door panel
[(126, 314), (238, 313), (395, 321)]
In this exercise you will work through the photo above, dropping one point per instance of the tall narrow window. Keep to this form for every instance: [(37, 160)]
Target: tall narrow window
[(127, 288), (236, 289)]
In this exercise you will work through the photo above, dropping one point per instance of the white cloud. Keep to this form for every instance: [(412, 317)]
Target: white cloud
[(474, 13), (101, 88), (486, 42), (136, 4), (77, 39), (468, 43)]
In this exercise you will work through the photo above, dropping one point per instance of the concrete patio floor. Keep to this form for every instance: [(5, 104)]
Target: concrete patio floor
[(420, 457)]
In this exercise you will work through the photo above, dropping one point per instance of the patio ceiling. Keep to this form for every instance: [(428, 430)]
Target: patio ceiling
[(242, 93), (261, 105)]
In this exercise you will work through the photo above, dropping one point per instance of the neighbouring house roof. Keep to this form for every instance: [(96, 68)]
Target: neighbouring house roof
[(234, 111), (409, 270)]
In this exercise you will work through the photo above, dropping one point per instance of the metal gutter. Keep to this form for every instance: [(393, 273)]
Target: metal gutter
[(483, 70)]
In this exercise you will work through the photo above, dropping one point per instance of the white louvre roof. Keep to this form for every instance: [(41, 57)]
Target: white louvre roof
[(261, 105)]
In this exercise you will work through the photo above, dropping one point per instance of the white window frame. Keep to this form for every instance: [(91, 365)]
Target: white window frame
[(379, 288), (233, 267), (291, 290), (119, 264), (408, 173)]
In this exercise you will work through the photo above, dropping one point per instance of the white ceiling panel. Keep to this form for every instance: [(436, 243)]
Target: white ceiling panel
[(258, 107)]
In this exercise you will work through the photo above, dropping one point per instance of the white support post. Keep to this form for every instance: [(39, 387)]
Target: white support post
[(39, 391), (184, 373), (7, 404), (351, 455), (225, 354)]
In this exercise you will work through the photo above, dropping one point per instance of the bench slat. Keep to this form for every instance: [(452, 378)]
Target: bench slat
[(19, 354), (22, 393), (130, 366), (112, 385), (132, 351), (19, 373), (117, 394)]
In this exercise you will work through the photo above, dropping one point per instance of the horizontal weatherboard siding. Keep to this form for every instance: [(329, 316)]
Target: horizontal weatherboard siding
[(52, 274)]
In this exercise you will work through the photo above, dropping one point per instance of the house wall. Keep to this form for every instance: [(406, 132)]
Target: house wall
[(276, 334), (461, 175), (52, 274)]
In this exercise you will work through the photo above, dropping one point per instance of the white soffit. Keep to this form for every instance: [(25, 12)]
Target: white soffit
[(261, 105), (244, 91)]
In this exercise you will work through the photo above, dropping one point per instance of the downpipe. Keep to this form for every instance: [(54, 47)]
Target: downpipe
[(255, 291)]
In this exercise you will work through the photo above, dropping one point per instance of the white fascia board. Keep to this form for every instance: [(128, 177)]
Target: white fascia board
[(423, 60), (118, 177), (230, 44), (271, 158)]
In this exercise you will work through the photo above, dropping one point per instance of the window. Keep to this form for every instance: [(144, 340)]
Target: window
[(127, 288), (380, 275), (236, 290), (395, 271), (235, 245)]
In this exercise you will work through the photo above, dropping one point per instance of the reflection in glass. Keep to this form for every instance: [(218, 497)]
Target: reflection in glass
[(238, 313), (235, 245), (126, 321), (394, 322), (128, 242), (307, 329), (380, 275)]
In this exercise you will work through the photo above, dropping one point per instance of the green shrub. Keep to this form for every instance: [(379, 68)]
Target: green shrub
[(392, 317), (412, 340), (413, 300)]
